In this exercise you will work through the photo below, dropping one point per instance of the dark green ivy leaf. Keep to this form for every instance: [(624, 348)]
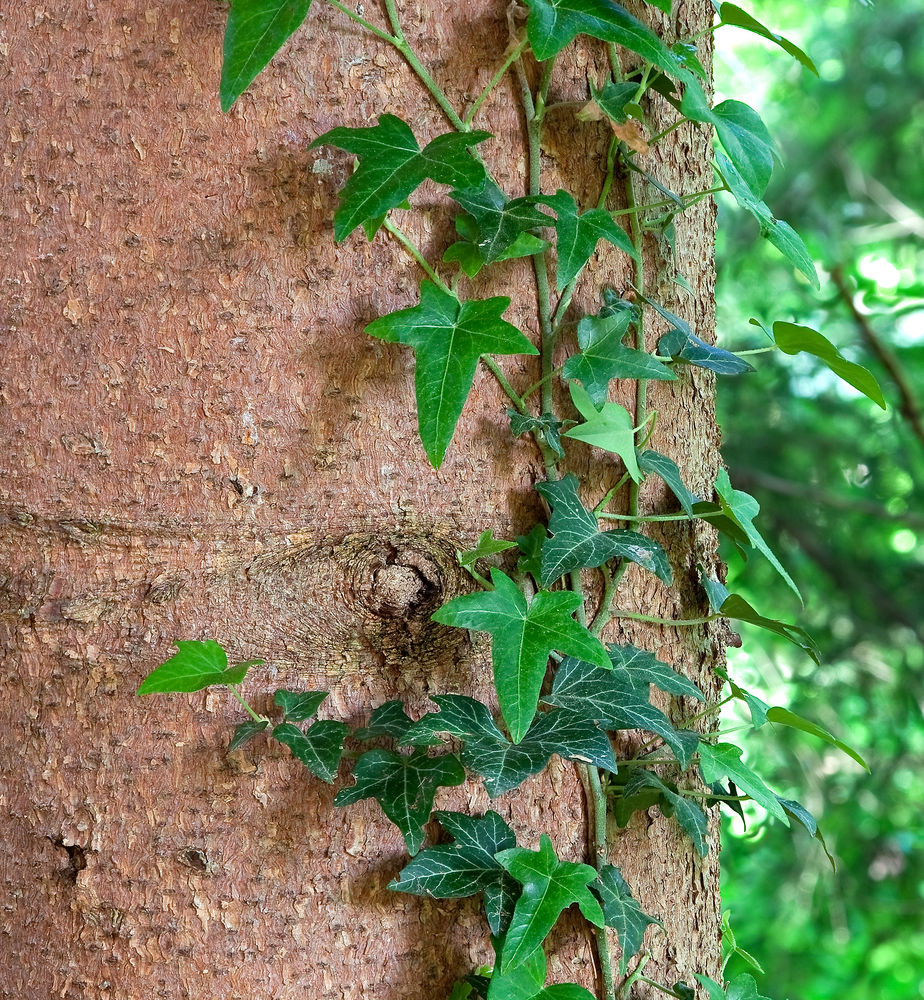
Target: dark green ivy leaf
[(784, 717), (524, 634), (576, 541), (682, 344), (593, 693), (448, 338), (530, 546), (612, 99), (319, 748), (298, 706), (639, 668), (521, 983), (466, 867), (390, 721), (404, 787), (730, 13), (603, 357), (549, 887), (545, 424), (578, 235), (797, 811), (197, 665), (392, 165), (244, 732), (256, 31), (654, 462), (688, 814), (622, 912)]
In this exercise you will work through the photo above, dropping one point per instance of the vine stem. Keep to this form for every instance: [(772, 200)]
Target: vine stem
[(512, 57), (495, 369), (665, 621), (254, 715), (414, 252)]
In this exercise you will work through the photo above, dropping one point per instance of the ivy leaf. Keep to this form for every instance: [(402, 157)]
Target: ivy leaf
[(783, 717), (794, 339), (549, 887), (741, 987), (577, 542), (448, 337), (604, 357), (742, 508), (639, 668), (797, 811), (487, 545), (531, 551), (466, 867), (564, 991), (522, 983), (298, 706), (198, 664), (500, 222), (682, 344), (742, 133), (390, 721), (723, 760), (609, 428), (593, 693), (622, 912), (524, 634), (256, 31), (404, 787), (244, 732), (392, 165), (688, 814), (319, 748), (612, 99), (579, 233), (553, 24), (730, 13), (756, 706), (545, 424), (735, 606), (654, 462)]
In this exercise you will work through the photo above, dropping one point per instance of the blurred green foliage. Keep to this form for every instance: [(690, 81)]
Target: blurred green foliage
[(841, 486)]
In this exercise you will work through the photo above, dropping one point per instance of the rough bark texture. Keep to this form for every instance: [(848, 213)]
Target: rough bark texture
[(200, 441)]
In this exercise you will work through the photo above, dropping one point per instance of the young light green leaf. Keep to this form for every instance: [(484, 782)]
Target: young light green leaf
[(576, 541), (245, 731), (794, 339), (500, 222), (579, 233), (524, 634), (640, 668), (609, 428), (487, 545), (466, 867), (731, 14), (731, 947), (298, 706), (392, 165), (742, 508), (404, 786), (622, 912), (256, 31), (723, 760), (783, 717), (390, 721), (197, 665), (603, 357), (688, 814), (319, 748), (546, 424), (589, 692), (654, 462), (549, 887), (448, 338)]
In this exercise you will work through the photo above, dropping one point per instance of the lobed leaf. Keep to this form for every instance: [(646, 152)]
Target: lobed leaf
[(654, 462), (609, 428), (622, 912), (640, 668), (299, 706), (487, 545), (245, 731), (688, 814), (500, 223), (319, 747), (390, 721), (723, 760), (198, 664)]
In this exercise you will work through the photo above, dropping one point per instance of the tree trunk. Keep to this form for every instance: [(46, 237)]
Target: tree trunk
[(201, 441)]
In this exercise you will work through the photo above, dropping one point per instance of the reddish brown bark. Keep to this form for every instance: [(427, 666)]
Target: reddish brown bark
[(200, 441)]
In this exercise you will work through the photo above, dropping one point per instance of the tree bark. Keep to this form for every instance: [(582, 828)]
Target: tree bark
[(201, 441)]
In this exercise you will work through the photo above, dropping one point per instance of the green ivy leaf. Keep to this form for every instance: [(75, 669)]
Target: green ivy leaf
[(731, 14), (742, 508), (256, 31), (298, 706), (487, 545), (404, 786), (639, 668), (522, 983), (797, 811), (794, 339), (577, 542), (245, 731), (622, 912), (688, 814), (564, 991), (500, 222), (524, 634), (609, 428), (783, 717), (392, 165), (319, 748), (545, 424), (590, 692), (723, 760), (604, 357), (682, 344), (553, 24), (549, 887), (741, 987), (390, 721), (466, 867), (654, 462), (197, 665), (735, 606), (612, 99), (530, 546), (577, 235), (448, 338), (756, 706)]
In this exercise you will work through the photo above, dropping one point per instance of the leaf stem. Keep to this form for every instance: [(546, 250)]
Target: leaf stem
[(495, 369), (363, 23), (666, 621), (541, 382), (254, 715), (512, 57), (645, 517), (414, 252)]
